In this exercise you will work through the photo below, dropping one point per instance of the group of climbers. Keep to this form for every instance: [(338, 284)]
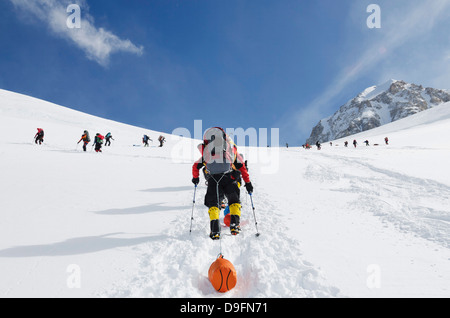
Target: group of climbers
[(98, 140), (355, 144), (146, 139), (224, 169)]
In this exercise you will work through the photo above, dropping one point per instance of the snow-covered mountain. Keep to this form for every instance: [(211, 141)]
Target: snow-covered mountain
[(377, 106), (356, 222)]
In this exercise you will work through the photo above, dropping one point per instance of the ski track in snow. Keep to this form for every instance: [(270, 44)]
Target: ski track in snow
[(270, 265), (398, 198)]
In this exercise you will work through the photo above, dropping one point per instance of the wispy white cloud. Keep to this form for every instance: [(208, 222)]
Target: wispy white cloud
[(417, 19), (97, 43)]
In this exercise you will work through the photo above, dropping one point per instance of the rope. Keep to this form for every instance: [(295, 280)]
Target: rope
[(218, 206)]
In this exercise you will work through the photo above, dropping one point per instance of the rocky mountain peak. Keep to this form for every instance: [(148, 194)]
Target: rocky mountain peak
[(377, 106)]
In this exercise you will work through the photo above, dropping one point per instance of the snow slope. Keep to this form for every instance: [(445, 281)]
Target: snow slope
[(340, 222)]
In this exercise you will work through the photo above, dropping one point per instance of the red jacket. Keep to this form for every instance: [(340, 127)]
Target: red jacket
[(238, 164)]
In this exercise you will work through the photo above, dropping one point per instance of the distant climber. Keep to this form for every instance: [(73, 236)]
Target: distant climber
[(367, 143), (346, 143), (98, 141), (86, 139), (161, 140), (108, 138), (386, 140), (318, 145), (355, 143), (145, 140), (39, 137)]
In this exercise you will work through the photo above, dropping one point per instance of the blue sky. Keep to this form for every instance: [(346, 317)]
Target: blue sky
[(233, 63)]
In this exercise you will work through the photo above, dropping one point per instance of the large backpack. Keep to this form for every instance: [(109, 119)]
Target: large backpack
[(218, 153), (99, 139), (88, 138)]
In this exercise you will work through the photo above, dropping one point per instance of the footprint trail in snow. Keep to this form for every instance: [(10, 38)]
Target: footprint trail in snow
[(269, 265)]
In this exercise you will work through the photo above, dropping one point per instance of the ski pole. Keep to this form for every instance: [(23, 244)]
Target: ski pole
[(254, 214), (193, 205)]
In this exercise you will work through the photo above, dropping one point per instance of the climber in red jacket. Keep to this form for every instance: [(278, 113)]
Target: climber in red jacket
[(224, 166)]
